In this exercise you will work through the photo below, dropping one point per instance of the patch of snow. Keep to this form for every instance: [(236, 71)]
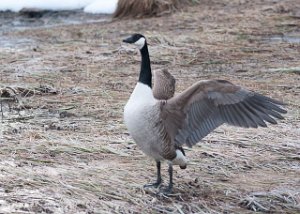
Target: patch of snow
[(90, 6), (102, 6), (11, 5)]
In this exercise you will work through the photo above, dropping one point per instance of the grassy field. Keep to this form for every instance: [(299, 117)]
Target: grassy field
[(63, 144)]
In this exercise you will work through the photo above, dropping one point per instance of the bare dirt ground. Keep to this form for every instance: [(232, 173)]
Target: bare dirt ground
[(64, 147)]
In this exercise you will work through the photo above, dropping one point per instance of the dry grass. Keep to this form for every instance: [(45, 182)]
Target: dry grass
[(147, 8), (69, 151)]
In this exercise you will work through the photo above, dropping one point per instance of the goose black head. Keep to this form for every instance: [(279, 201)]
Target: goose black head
[(137, 39)]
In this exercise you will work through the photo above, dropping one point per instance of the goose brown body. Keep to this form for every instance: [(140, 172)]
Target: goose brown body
[(142, 118)]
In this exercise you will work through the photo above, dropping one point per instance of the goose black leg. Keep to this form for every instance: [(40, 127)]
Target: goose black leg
[(159, 180), (169, 189)]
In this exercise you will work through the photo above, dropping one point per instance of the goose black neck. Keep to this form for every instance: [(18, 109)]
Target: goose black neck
[(145, 73)]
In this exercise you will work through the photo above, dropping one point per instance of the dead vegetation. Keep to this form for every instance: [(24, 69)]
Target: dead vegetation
[(147, 8), (65, 149)]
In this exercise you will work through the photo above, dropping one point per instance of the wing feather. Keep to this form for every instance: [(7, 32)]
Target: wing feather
[(200, 109)]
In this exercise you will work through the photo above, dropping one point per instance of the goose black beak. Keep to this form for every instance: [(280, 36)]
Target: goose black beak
[(128, 40)]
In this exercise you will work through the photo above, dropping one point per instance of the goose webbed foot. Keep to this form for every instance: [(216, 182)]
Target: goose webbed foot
[(166, 191), (159, 180)]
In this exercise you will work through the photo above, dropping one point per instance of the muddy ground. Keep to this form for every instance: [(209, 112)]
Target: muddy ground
[(63, 144)]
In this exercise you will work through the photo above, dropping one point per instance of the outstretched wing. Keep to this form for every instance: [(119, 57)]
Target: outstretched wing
[(193, 114)]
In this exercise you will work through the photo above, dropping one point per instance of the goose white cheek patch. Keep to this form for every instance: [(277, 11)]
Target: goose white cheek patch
[(140, 43)]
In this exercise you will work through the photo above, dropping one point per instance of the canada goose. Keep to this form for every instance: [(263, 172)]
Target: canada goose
[(161, 127)]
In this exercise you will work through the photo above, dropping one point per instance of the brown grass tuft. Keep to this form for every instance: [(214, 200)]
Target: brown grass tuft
[(146, 8)]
